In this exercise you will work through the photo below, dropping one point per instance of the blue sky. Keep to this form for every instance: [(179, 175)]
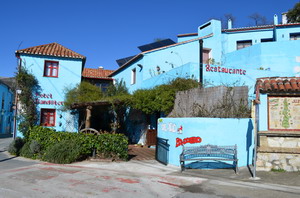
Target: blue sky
[(106, 30)]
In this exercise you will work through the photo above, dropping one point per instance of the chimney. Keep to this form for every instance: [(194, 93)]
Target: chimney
[(284, 19), (229, 24), (275, 19), (100, 67)]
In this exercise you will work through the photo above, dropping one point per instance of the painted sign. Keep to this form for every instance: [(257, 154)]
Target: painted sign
[(284, 113), (42, 96), (220, 69), (191, 140), (171, 127)]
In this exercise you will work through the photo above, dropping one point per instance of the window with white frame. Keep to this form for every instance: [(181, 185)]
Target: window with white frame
[(48, 117), (51, 69), (133, 76)]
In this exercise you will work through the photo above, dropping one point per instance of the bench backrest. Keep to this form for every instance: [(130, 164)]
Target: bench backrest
[(210, 151)]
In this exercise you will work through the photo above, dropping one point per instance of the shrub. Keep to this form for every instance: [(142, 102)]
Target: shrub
[(107, 145), (64, 152), (35, 147), (26, 151), (15, 146)]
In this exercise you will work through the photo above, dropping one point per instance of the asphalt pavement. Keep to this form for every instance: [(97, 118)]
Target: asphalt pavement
[(20, 177)]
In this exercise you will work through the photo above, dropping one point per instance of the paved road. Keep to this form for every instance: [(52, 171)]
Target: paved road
[(24, 178), (7, 161), (126, 179)]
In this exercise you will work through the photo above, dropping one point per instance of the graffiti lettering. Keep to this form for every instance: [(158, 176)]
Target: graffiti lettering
[(225, 70), (191, 140), (49, 102), (171, 127)]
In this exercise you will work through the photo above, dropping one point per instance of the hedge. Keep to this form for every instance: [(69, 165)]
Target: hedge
[(106, 145)]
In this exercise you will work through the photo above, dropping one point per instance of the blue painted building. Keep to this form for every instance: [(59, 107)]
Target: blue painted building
[(229, 56), (56, 68), (6, 109)]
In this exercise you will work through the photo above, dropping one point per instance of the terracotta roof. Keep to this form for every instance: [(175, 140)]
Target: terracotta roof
[(52, 49), (99, 73), (278, 85), (157, 49)]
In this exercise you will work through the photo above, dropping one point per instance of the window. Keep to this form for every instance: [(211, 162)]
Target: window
[(266, 40), (294, 36), (205, 56), (133, 76), (243, 44), (48, 117), (51, 69)]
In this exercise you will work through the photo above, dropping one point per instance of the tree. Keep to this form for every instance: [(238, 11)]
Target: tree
[(161, 98), (259, 19), (293, 15), (30, 88), (83, 92), (117, 89), (225, 19)]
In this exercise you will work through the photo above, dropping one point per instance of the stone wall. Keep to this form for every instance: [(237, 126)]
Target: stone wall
[(278, 150), (285, 161)]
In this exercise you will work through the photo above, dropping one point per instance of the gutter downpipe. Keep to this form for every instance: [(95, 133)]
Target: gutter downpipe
[(201, 61)]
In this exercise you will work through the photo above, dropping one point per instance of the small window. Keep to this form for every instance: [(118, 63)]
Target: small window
[(205, 55), (133, 76), (243, 44), (48, 117), (51, 69), (294, 36), (266, 40)]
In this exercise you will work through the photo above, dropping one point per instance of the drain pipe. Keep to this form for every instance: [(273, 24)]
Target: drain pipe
[(201, 61)]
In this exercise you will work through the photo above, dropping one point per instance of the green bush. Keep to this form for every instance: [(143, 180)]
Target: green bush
[(31, 149), (26, 151), (106, 145), (35, 147), (15, 146), (63, 152)]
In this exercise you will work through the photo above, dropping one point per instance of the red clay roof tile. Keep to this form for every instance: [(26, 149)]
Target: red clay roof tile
[(96, 73), (278, 84), (52, 49)]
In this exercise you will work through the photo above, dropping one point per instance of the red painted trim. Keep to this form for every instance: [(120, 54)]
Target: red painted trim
[(48, 116), (188, 34), (246, 29), (51, 69)]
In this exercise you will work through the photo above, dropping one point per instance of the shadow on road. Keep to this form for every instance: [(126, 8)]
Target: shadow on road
[(3, 160)]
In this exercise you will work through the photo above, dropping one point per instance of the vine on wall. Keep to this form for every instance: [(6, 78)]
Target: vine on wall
[(29, 87)]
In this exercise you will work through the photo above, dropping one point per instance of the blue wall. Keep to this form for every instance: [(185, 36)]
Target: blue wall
[(69, 74), (6, 110), (278, 58), (216, 131)]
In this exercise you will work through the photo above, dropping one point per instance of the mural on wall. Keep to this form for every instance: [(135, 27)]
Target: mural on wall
[(284, 113), (191, 140)]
